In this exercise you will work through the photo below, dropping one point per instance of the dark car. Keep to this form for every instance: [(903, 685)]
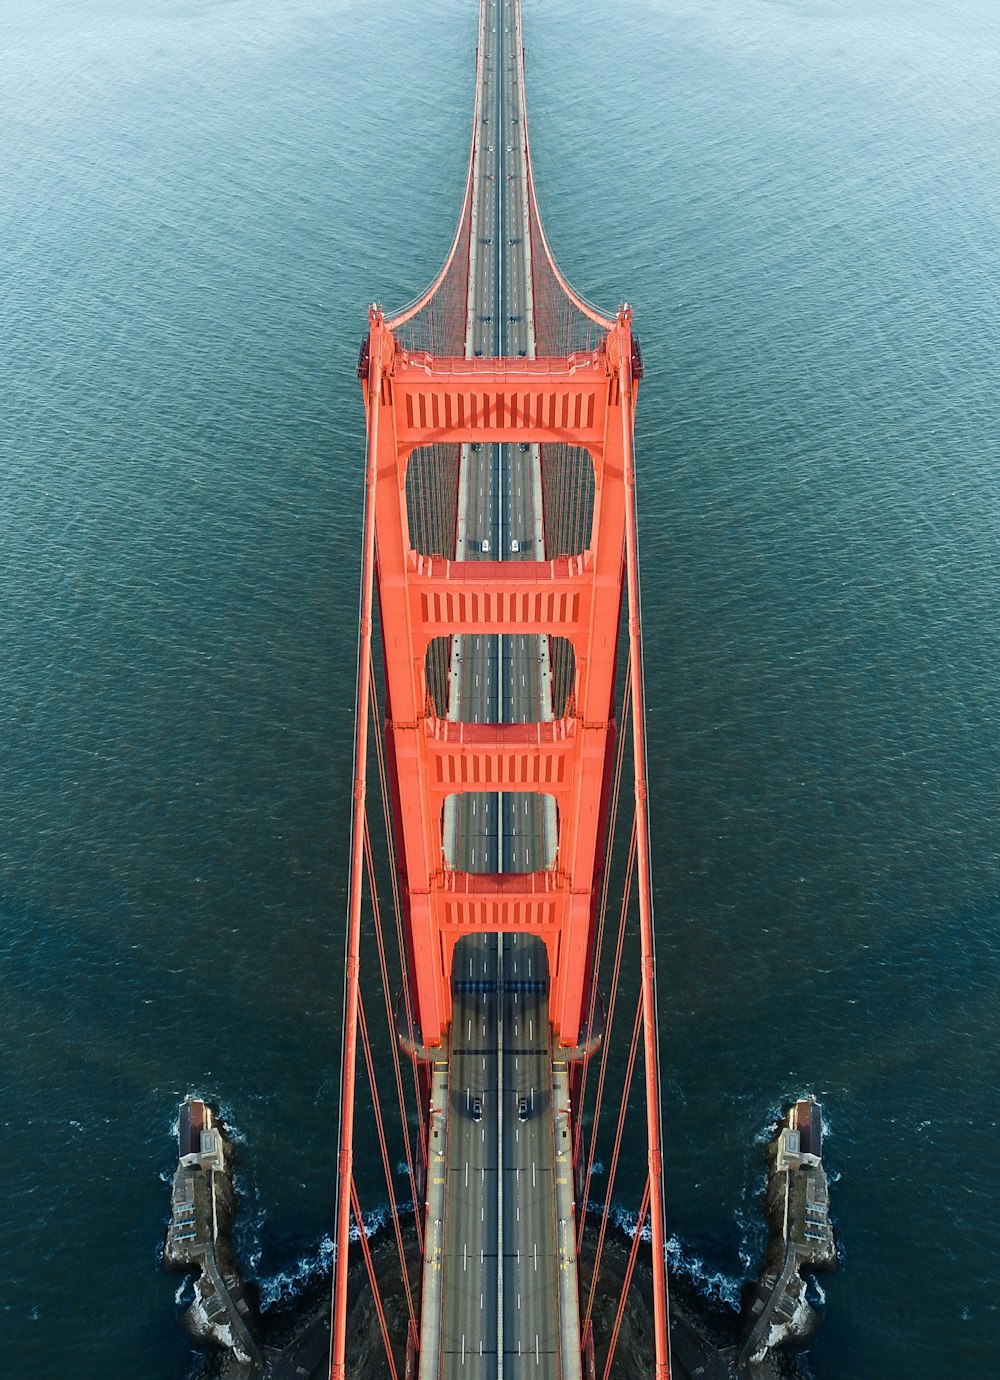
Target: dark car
[(477, 1109), (522, 1109)]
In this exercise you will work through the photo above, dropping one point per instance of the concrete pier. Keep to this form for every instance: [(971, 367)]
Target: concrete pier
[(797, 1205), (202, 1206)]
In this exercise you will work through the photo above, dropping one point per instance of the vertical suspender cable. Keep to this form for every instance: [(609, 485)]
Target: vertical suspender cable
[(607, 1036), (627, 1284), (387, 1167), (601, 918), (398, 914), (650, 1028), (613, 1171), (394, 1046), (373, 1281), (349, 1050)]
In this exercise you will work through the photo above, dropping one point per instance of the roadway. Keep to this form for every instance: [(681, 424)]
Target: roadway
[(500, 679), (500, 1314), (470, 1327)]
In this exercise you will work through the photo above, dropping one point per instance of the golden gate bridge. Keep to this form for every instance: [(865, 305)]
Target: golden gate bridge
[(500, 748)]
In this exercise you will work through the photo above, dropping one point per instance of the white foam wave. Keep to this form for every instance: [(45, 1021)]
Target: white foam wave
[(753, 1230), (285, 1284), (628, 1221), (226, 1113), (777, 1111), (774, 1113), (249, 1228), (713, 1284)]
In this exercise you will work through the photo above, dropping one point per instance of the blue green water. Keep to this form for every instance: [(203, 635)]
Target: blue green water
[(198, 201)]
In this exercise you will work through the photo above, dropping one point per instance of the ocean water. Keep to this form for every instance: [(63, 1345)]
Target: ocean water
[(199, 198)]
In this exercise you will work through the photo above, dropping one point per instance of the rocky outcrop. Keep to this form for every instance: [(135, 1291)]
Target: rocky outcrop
[(202, 1208), (797, 1205)]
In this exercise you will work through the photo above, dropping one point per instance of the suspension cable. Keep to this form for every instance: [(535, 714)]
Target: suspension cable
[(613, 1172), (393, 1042), (601, 916), (380, 1127), (607, 1034), (633, 1254), (352, 963), (373, 1280), (657, 1224), (397, 911)]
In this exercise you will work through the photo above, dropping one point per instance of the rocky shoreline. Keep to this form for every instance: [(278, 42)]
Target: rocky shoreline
[(199, 1236), (295, 1332), (290, 1340)]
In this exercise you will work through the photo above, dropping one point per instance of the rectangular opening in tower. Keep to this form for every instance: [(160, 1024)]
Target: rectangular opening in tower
[(567, 498), (518, 678), (489, 832), (432, 474)]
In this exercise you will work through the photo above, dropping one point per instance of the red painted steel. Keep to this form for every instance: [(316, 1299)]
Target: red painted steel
[(414, 401), (629, 386), (422, 392), (352, 961)]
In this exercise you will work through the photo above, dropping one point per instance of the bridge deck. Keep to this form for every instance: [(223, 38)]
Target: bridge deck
[(500, 1309), (499, 1263)]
